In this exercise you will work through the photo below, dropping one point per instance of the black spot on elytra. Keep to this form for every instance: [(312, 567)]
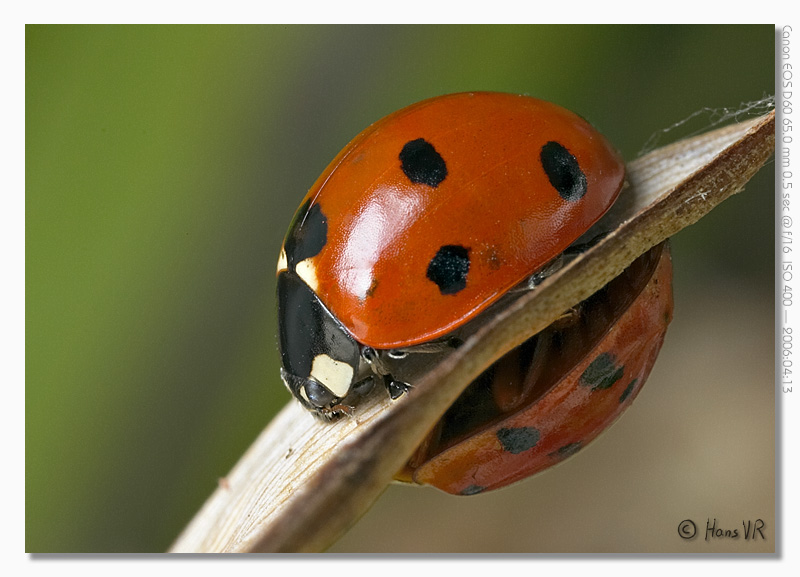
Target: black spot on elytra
[(518, 439), (422, 164), (566, 451), (628, 390), (563, 171), (307, 234), (449, 268), (602, 373), (472, 490)]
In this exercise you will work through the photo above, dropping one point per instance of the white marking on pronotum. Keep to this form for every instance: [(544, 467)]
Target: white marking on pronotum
[(282, 262), (306, 271), (335, 375)]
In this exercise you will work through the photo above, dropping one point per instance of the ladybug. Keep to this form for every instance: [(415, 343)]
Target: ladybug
[(424, 220), (549, 398)]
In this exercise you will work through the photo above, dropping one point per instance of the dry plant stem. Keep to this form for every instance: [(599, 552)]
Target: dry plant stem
[(304, 482)]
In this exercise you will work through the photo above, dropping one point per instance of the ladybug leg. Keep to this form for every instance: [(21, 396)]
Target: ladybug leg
[(539, 276), (377, 361), (571, 253), (394, 387)]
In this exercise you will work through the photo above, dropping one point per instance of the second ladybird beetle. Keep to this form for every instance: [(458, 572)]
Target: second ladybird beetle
[(553, 395), (424, 220)]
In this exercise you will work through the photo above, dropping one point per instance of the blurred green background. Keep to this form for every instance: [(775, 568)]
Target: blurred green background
[(163, 164)]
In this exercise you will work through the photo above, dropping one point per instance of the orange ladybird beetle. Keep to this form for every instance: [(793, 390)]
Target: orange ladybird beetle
[(426, 219), (549, 398)]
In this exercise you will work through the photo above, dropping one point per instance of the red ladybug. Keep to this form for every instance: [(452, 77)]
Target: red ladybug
[(549, 398), (423, 221)]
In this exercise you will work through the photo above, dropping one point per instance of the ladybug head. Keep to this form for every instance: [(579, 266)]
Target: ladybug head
[(312, 393)]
